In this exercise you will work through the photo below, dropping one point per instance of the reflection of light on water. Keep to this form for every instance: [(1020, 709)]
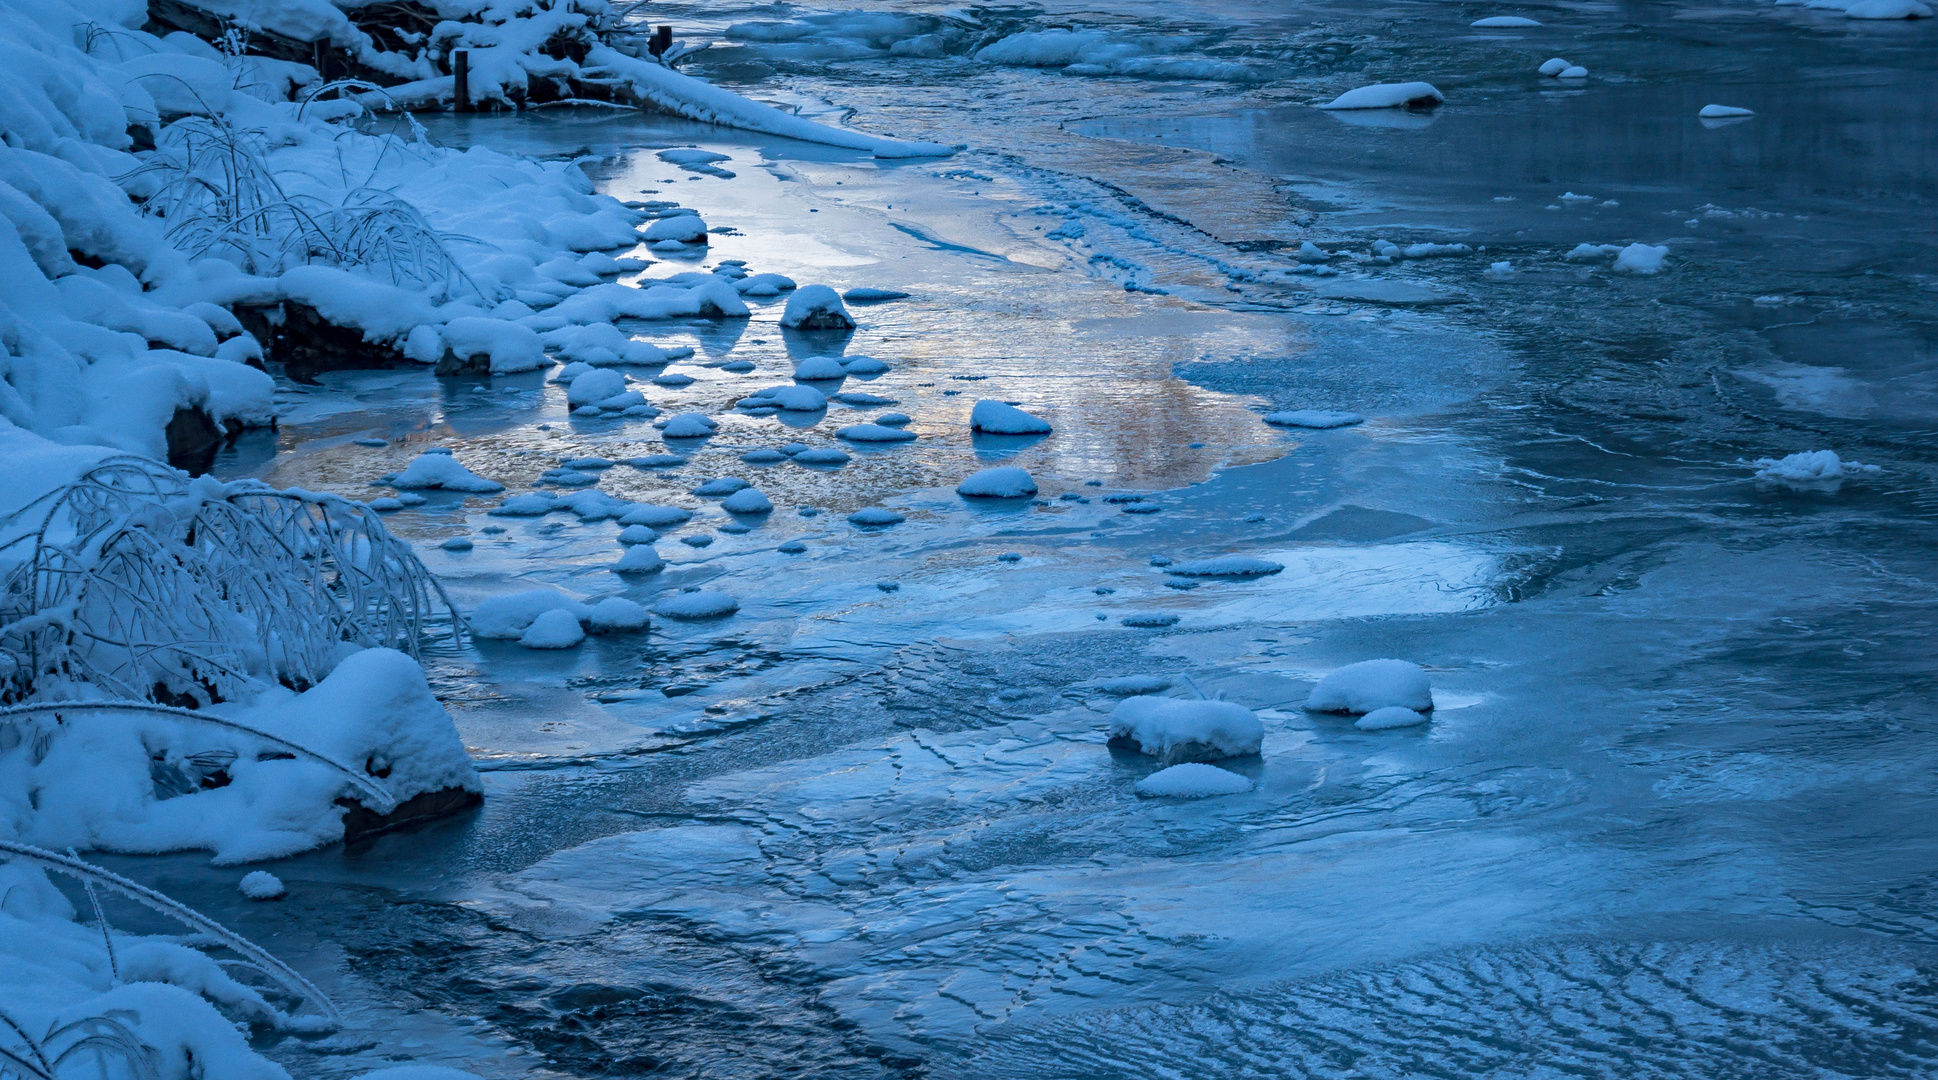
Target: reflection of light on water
[(1426, 577)]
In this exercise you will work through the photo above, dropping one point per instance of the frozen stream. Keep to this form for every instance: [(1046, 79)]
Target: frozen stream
[(1674, 815)]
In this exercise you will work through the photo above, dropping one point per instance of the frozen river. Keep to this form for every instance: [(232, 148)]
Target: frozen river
[(1674, 816)]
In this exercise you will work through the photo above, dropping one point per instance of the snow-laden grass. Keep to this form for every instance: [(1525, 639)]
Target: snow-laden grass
[(142, 584)]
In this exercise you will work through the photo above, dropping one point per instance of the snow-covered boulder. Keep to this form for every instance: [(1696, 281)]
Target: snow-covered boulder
[(1723, 112), (1317, 419), (617, 615), (998, 418), (874, 433), (820, 369), (680, 228), (1502, 22), (639, 559), (1192, 780), (508, 617), (554, 629), (595, 386), (1176, 730), (816, 307), (1240, 566), (701, 604), (656, 516), (747, 501), (793, 398), (1811, 468), (435, 470), (1002, 482), (875, 517), (1406, 95), (689, 425), (1642, 259), (1389, 717), (1370, 685)]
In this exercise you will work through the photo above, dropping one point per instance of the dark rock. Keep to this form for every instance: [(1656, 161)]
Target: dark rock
[(193, 440), (306, 344), (361, 822)]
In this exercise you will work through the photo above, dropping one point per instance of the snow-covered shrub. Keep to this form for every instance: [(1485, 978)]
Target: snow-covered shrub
[(136, 581)]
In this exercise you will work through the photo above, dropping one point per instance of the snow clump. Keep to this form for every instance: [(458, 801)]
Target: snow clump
[(1002, 482), (639, 559), (435, 470), (1389, 717), (1370, 685), (554, 629), (508, 617), (1494, 21), (1406, 95), (616, 614), (816, 307), (1642, 259), (1318, 419), (1811, 467), (997, 418), (1227, 566), (1192, 780), (1175, 730), (747, 501), (262, 885), (702, 604), (689, 425), (874, 433), (1719, 112)]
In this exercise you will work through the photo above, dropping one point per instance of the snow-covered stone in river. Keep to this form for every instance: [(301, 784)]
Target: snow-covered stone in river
[(1227, 566), (689, 425), (820, 369), (869, 516), (433, 470), (637, 534), (681, 228), (507, 617), (1811, 468), (863, 365), (1002, 482), (595, 385), (1573, 71), (1192, 780), (1409, 95), (1372, 684), (1150, 619), (722, 485), (997, 418), (1503, 22), (747, 501), (555, 629), (1722, 112), (1175, 729), (704, 604), (262, 885), (616, 615), (1124, 685), (816, 307), (826, 455), (862, 294), (1313, 418), (793, 398), (874, 433), (655, 515), (1554, 67), (639, 559), (1392, 716)]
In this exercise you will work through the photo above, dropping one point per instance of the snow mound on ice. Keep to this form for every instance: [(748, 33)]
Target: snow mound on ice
[(689, 425), (872, 433), (874, 516), (433, 470), (262, 885), (825, 455), (637, 534), (1409, 95), (1175, 730), (816, 307), (1227, 566), (1887, 9), (1642, 259), (747, 501), (616, 615), (718, 486), (1573, 71), (1313, 418), (684, 228), (820, 369), (1370, 685), (1192, 780), (1718, 112), (1134, 684), (1000, 419), (1002, 482), (595, 386), (1554, 67), (1389, 717), (704, 604), (639, 559), (656, 515), (554, 629), (508, 617), (793, 398), (1811, 467), (1493, 21), (863, 294), (1151, 619)]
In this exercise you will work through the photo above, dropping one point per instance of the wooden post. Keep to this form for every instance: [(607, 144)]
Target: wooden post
[(321, 59), (662, 41), (461, 78)]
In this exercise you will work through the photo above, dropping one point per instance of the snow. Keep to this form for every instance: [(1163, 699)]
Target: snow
[(1192, 780), (863, 294), (816, 307), (718, 486), (1717, 112), (1592, 252), (617, 615), (1811, 467), (998, 418), (689, 425), (820, 369), (1389, 717), (1555, 66), (1134, 684), (1641, 259), (1410, 95), (655, 515), (1175, 730), (791, 398), (874, 433), (554, 629), (1370, 685), (747, 501), (595, 386), (1573, 71), (262, 885), (870, 516), (507, 617), (700, 604), (825, 455), (1887, 9), (442, 471), (639, 559), (1504, 21), (1150, 619), (1002, 482), (1226, 566), (637, 534), (1313, 418), (684, 228)]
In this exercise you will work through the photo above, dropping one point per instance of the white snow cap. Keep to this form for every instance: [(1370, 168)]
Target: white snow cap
[(998, 418), (639, 559), (1002, 482), (1718, 112), (1887, 9), (1318, 419), (1175, 730), (793, 398), (595, 386), (1554, 67), (867, 433), (747, 501), (554, 629), (1388, 96), (441, 470), (507, 617), (816, 307), (820, 369), (1226, 566), (689, 425), (1392, 716), (1503, 21), (616, 614), (1370, 685), (704, 604), (1642, 259), (262, 885), (1573, 71), (683, 228), (1192, 780), (1811, 467)]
